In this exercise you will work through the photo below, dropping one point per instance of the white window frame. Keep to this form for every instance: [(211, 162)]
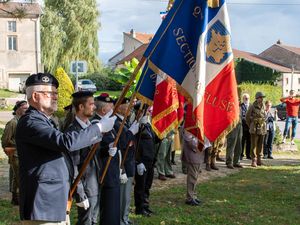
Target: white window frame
[(13, 44), (12, 26)]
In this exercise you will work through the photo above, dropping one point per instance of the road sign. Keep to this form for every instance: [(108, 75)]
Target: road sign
[(78, 67)]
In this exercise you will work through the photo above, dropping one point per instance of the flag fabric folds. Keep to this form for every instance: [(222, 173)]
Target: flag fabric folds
[(190, 60)]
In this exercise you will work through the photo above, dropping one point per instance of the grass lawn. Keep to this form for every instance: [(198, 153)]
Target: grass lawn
[(111, 93), (7, 94), (266, 195)]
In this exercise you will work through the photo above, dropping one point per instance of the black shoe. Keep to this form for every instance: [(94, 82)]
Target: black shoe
[(149, 211), (230, 166), (270, 157), (143, 213), (173, 162), (191, 202), (198, 201), (248, 157)]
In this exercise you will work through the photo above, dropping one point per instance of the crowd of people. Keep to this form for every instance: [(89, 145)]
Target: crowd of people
[(46, 154)]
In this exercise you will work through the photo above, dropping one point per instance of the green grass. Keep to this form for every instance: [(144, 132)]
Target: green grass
[(266, 195), (297, 142), (4, 93), (111, 93)]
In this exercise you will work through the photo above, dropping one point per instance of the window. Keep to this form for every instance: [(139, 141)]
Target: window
[(12, 43), (12, 26)]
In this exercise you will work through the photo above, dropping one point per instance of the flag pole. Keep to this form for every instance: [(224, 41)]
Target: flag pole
[(125, 90)]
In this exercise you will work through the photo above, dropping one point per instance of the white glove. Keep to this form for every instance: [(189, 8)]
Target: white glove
[(112, 150), (141, 169), (144, 120), (134, 128), (106, 124), (123, 177), (84, 204)]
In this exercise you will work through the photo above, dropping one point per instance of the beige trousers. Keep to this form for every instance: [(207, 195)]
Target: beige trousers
[(193, 171)]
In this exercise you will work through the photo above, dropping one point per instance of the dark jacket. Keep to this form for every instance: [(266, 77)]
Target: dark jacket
[(112, 177), (125, 138), (89, 184), (145, 150), (44, 175)]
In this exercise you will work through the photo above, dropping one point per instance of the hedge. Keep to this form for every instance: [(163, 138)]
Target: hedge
[(273, 93)]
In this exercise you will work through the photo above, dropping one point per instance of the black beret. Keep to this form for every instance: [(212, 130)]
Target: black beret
[(18, 105), (124, 101), (80, 94), (104, 97), (42, 79)]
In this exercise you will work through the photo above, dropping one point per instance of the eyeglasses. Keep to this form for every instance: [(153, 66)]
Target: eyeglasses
[(48, 93)]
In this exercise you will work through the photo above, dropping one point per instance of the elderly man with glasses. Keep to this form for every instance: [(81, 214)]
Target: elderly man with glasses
[(45, 166)]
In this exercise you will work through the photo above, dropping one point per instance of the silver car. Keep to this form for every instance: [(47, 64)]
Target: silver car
[(86, 85)]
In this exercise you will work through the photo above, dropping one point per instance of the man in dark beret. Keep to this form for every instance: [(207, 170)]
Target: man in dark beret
[(9, 146), (43, 152)]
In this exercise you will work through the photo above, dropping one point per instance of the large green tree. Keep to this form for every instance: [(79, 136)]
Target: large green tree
[(69, 32)]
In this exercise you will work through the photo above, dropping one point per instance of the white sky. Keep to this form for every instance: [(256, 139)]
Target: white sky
[(254, 27)]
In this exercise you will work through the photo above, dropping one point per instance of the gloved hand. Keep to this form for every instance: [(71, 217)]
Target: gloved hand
[(141, 169), (106, 124), (134, 128), (84, 204), (112, 150), (144, 120), (123, 177)]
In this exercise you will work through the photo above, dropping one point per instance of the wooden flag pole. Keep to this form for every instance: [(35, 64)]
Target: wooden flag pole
[(125, 90)]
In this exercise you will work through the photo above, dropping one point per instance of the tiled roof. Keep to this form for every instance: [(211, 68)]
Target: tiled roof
[(250, 57), (138, 54), (291, 48), (10, 9), (142, 37)]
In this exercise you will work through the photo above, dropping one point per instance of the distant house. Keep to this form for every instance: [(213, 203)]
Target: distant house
[(132, 41), (20, 52), (280, 58)]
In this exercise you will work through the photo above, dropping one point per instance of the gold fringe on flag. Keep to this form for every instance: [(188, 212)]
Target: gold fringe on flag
[(213, 3)]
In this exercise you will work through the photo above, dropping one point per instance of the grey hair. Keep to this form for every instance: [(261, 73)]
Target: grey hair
[(99, 105), (245, 95), (31, 89)]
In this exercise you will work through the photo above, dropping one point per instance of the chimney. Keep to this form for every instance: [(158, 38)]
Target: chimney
[(132, 32), (279, 42)]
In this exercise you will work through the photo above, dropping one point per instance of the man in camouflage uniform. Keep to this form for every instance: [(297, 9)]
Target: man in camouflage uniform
[(256, 120), (9, 145)]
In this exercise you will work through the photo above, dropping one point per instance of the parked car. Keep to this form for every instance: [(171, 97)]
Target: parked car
[(86, 85), (281, 111)]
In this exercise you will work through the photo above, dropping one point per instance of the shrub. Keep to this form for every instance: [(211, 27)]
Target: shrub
[(271, 92), (103, 82), (65, 90)]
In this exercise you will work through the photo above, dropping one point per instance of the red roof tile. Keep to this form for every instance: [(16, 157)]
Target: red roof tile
[(142, 37), (138, 54), (9, 9)]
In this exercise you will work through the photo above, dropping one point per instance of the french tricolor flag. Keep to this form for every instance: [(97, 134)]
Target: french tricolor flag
[(191, 56)]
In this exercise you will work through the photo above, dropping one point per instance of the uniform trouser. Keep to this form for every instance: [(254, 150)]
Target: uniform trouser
[(142, 188), (110, 206), (246, 141), (268, 143), (256, 145), (125, 196), (234, 146), (16, 178), (89, 216), (191, 180), (39, 222), (163, 163)]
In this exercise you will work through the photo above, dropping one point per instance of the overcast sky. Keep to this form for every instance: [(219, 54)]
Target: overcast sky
[(254, 27)]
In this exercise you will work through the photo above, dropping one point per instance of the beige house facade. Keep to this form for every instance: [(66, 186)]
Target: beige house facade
[(20, 52)]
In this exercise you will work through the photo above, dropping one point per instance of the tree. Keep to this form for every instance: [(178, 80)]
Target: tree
[(69, 32), (65, 89), (122, 75)]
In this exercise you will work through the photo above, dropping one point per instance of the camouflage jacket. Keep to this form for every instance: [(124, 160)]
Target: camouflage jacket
[(256, 119)]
